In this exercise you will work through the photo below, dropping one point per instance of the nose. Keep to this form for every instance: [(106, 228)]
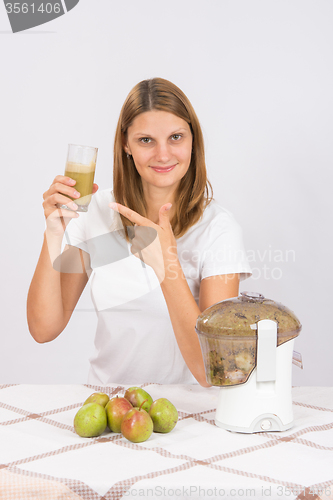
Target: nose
[(163, 152)]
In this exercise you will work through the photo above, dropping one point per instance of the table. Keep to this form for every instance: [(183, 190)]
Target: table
[(42, 457)]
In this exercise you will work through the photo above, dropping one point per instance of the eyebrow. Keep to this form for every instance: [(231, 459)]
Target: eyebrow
[(143, 134)]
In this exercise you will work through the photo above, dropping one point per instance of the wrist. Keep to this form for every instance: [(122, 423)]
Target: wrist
[(173, 271), (53, 238)]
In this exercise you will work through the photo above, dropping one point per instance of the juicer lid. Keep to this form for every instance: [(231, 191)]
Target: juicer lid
[(239, 317)]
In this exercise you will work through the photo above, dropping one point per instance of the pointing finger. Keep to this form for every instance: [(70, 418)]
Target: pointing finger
[(131, 215)]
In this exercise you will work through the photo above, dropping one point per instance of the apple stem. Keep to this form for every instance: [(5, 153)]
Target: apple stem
[(143, 402)]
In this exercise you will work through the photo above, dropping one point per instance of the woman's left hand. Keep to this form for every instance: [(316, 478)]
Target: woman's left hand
[(161, 253)]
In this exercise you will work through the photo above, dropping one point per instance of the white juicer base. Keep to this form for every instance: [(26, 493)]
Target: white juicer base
[(259, 406), (264, 423)]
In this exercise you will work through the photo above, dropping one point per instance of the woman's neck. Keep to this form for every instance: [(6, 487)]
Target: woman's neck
[(156, 198)]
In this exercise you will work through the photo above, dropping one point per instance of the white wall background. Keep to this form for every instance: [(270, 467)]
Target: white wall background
[(259, 74)]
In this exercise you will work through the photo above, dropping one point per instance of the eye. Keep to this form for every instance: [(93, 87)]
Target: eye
[(176, 137), (145, 140)]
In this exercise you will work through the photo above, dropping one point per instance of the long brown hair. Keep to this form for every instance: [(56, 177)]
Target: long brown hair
[(194, 192)]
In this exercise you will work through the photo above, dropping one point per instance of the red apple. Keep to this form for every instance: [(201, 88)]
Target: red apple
[(137, 426), (115, 411)]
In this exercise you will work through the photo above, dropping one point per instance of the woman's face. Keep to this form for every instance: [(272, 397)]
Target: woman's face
[(161, 145)]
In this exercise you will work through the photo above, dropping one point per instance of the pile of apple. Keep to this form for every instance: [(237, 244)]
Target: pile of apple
[(135, 415)]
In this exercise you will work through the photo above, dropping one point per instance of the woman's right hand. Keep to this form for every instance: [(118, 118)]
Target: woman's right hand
[(59, 193)]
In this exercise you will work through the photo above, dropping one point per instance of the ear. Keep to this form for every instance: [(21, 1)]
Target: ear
[(127, 150), (125, 145)]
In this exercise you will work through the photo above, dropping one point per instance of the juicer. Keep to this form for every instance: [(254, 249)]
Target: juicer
[(247, 345)]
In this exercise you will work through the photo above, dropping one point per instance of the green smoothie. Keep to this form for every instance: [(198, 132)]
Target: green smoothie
[(84, 177)]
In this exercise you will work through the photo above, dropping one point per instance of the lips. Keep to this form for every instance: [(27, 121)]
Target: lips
[(163, 169)]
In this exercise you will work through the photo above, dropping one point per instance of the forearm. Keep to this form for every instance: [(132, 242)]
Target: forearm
[(184, 311), (45, 312)]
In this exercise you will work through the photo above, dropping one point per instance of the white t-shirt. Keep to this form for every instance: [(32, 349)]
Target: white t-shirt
[(134, 340)]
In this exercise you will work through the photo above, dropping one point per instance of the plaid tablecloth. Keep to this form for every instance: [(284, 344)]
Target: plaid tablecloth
[(41, 457)]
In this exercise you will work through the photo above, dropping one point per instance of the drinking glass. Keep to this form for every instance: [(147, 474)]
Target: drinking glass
[(80, 166)]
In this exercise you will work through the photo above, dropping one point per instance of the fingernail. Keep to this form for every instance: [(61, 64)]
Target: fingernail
[(72, 181), (73, 206), (168, 208), (76, 194), (113, 205)]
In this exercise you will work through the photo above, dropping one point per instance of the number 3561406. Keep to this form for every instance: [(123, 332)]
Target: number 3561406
[(24, 8)]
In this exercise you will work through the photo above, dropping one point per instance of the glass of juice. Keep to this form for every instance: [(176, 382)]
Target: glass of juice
[(80, 166)]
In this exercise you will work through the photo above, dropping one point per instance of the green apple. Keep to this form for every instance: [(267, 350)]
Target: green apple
[(137, 426), (90, 420), (136, 396), (164, 415), (97, 397), (115, 411)]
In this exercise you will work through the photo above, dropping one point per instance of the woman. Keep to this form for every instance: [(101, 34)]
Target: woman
[(147, 291)]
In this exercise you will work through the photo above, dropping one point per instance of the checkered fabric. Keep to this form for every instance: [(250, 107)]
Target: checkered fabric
[(41, 456)]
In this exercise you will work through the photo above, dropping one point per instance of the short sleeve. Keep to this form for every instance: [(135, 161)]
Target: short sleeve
[(75, 233), (224, 251)]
